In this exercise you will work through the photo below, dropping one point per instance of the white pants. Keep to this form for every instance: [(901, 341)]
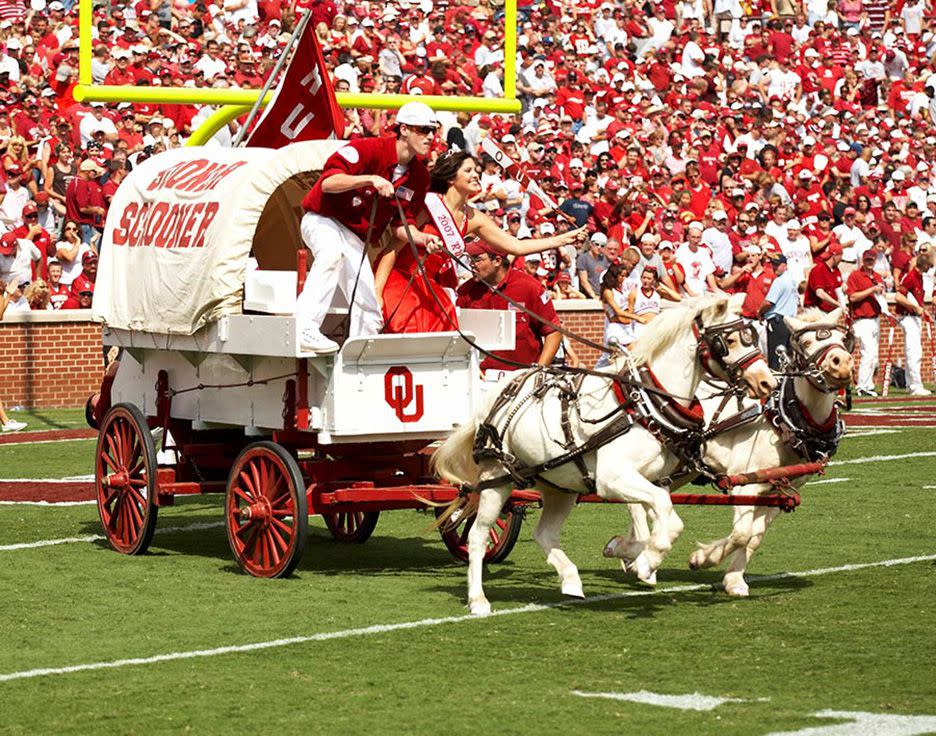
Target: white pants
[(913, 349), (338, 254), (867, 332)]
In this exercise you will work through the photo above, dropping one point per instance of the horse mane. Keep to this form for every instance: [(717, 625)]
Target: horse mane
[(812, 316), (666, 327)]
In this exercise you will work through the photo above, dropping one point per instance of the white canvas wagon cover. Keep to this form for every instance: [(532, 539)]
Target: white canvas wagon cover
[(182, 225)]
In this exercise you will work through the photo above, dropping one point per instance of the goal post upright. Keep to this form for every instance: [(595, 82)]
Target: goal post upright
[(234, 102)]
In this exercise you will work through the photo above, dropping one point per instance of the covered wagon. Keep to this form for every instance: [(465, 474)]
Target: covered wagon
[(200, 265)]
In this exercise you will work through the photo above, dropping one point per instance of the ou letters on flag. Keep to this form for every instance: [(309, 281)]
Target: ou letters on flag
[(303, 107)]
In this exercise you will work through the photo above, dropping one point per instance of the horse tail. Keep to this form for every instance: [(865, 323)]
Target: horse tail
[(453, 461)]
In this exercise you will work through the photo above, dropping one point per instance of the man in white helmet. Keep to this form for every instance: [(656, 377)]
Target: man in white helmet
[(354, 200)]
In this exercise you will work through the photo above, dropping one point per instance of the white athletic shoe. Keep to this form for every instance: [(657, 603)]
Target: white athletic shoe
[(867, 392), (921, 392), (313, 341), (13, 426)]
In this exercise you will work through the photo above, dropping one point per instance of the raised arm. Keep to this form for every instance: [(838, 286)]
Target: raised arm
[(484, 227)]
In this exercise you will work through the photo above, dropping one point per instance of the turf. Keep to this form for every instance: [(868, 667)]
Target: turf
[(857, 640), (54, 459)]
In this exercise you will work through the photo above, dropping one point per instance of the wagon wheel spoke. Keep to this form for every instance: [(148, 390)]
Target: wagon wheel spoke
[(138, 482), (110, 495), (277, 537), (256, 484), (247, 485), (273, 545), (109, 461), (240, 494), (136, 516), (276, 523), (501, 523)]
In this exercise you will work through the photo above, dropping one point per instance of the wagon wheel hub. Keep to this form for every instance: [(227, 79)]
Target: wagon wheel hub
[(260, 511), (118, 481)]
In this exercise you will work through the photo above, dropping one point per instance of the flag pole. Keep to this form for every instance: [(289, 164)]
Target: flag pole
[(297, 33)]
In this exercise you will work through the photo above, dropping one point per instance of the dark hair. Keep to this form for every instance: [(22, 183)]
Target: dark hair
[(445, 169), (610, 277)]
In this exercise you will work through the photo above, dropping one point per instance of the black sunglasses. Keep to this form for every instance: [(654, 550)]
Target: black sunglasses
[(424, 129)]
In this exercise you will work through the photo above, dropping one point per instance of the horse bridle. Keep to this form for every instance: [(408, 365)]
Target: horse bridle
[(713, 346), (808, 364)]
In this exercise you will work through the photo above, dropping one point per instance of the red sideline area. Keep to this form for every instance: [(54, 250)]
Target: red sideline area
[(27, 490), (23, 438)]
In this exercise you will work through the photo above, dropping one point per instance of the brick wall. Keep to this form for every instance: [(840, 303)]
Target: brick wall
[(49, 359), (585, 318), (54, 359)]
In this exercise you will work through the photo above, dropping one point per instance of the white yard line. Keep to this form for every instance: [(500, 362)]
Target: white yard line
[(881, 458), (48, 504), (52, 481), (429, 622), (692, 701), (47, 442), (98, 537), (853, 433), (827, 480)]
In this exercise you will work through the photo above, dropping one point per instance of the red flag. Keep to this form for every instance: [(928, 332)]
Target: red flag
[(303, 107)]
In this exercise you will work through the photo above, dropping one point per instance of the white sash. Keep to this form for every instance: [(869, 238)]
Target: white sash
[(445, 224)]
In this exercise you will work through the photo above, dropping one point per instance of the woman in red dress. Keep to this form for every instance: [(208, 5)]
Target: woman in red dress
[(413, 303)]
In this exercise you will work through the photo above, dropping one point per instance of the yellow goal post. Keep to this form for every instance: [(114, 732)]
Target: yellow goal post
[(236, 102)]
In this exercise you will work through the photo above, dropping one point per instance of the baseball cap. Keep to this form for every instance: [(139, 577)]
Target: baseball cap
[(89, 164), (794, 225), (30, 209), (480, 248), (417, 114), (869, 255), (89, 256), (849, 211), (665, 245), (7, 244), (599, 239), (575, 163), (41, 198), (547, 228), (13, 170), (805, 174), (719, 215), (695, 225), (777, 258)]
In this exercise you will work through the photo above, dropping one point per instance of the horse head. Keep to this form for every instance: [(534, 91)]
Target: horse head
[(822, 349), (728, 346)]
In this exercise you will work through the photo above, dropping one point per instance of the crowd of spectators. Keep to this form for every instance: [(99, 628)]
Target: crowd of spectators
[(704, 137)]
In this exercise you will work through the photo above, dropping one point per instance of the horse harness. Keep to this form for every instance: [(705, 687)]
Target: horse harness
[(810, 440), (641, 401)]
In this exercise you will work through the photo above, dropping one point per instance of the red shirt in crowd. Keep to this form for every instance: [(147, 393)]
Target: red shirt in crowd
[(861, 280), (83, 193), (524, 289), (910, 284), (825, 278)]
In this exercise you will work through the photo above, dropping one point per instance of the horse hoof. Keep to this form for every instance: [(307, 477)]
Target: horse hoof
[(695, 560), (611, 547), (644, 572), (573, 589), (480, 608), (650, 580), (738, 590)]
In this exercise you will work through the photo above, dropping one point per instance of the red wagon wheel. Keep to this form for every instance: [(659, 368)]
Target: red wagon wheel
[(125, 480), (501, 540), (352, 527), (265, 510)]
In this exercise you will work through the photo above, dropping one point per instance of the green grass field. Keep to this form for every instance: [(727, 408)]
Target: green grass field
[(853, 640)]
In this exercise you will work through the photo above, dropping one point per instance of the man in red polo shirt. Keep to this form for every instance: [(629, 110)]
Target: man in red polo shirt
[(910, 313), (865, 290), (354, 200), (536, 342), (823, 287)]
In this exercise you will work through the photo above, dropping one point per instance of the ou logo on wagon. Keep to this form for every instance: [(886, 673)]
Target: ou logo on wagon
[(400, 391)]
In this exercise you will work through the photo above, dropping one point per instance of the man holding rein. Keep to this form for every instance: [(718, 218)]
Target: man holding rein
[(353, 201)]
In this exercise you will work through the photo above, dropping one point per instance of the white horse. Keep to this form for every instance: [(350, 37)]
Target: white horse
[(822, 364), (537, 420)]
